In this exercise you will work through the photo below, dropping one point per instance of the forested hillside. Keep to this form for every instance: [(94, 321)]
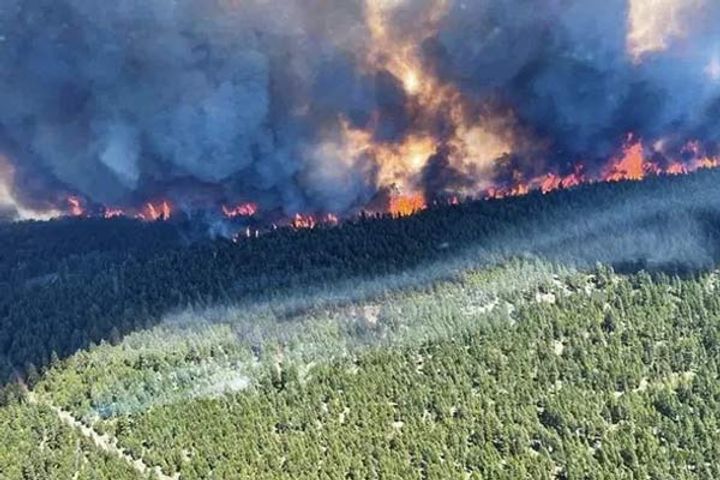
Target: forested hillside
[(562, 375), (69, 283), (490, 339)]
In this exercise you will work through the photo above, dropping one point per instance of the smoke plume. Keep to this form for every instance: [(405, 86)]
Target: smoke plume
[(321, 107)]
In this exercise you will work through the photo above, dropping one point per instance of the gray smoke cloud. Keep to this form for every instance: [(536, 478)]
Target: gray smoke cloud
[(242, 99), (111, 99)]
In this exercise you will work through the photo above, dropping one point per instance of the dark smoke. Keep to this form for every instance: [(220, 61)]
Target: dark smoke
[(564, 67), (237, 100)]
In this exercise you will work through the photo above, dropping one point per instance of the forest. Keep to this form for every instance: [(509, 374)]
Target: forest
[(561, 336), (578, 374), (69, 283)]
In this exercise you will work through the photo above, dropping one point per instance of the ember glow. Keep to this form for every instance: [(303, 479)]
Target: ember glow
[(335, 108)]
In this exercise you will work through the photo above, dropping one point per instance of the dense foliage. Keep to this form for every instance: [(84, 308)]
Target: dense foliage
[(584, 376), (382, 348), (37, 446), (70, 283)]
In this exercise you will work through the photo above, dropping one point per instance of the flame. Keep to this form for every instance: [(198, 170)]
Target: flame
[(241, 210), (300, 221), (156, 211), (331, 219), (700, 160), (405, 205), (401, 165), (75, 206), (467, 135), (472, 141), (398, 165), (474, 136), (113, 212), (676, 168), (550, 182), (399, 54), (475, 150), (631, 165), (577, 177), (706, 163)]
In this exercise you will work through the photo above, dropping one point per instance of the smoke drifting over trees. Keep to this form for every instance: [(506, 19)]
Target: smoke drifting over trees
[(304, 105)]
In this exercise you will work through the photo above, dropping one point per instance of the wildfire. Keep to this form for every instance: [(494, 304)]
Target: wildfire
[(677, 169), (242, 210), (399, 56), (404, 205), (631, 165), (472, 138), (113, 212), (301, 222), (330, 219), (699, 160), (156, 211), (706, 162), (75, 206)]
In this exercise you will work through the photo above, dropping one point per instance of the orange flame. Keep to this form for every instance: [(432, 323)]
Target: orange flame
[(631, 165), (303, 221), (550, 182), (476, 137), (706, 163), (241, 210), (699, 158), (404, 205), (156, 211), (676, 168)]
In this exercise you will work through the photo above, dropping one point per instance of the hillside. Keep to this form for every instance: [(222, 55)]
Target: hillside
[(489, 339)]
